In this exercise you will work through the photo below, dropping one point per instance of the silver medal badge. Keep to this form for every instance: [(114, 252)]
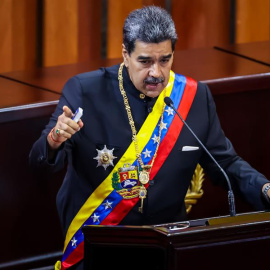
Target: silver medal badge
[(105, 157)]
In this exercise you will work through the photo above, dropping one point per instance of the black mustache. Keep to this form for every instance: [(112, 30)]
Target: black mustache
[(153, 80)]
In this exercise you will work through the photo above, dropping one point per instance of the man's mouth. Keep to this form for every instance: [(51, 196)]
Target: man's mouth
[(153, 83), (152, 86), (153, 80)]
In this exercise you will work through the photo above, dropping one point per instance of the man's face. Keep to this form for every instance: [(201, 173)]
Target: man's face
[(149, 66)]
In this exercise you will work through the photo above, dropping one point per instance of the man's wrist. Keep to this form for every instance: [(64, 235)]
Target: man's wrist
[(53, 142), (266, 191)]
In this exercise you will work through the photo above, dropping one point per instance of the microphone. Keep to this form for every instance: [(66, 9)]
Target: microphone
[(169, 103)]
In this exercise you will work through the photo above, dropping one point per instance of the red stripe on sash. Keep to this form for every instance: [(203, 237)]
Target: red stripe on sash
[(176, 126), (119, 212), (74, 257)]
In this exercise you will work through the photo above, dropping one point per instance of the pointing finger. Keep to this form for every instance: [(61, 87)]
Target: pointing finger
[(67, 111)]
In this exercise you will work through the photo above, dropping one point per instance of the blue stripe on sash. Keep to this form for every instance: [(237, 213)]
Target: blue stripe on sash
[(101, 212), (176, 96)]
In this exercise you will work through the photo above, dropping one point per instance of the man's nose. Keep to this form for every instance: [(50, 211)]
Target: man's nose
[(155, 71)]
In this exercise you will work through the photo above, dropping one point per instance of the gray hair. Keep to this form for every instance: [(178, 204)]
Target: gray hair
[(149, 24)]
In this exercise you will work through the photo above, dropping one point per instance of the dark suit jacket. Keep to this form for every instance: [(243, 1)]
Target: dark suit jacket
[(106, 123)]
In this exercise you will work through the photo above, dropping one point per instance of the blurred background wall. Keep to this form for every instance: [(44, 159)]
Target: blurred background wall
[(51, 33), (45, 33)]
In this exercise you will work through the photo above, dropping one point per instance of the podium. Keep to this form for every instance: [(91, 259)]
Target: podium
[(224, 242)]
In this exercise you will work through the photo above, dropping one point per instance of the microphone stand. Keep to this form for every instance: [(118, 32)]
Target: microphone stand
[(169, 103)]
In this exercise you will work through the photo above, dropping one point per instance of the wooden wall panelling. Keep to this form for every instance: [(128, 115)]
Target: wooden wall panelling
[(17, 31), (89, 39), (201, 23), (252, 20), (160, 3), (60, 37), (72, 28), (5, 33), (24, 34), (117, 12)]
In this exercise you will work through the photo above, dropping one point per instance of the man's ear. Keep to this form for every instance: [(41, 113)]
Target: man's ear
[(125, 55)]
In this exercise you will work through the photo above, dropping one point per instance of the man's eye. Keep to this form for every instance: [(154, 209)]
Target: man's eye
[(144, 62), (166, 60)]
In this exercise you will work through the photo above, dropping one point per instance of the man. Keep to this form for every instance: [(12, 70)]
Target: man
[(126, 157)]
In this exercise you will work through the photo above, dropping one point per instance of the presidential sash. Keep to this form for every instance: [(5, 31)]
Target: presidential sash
[(118, 193)]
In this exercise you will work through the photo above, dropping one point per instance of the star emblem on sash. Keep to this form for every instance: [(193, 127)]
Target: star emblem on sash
[(73, 242), (169, 111), (155, 138), (163, 125), (107, 204), (105, 157), (95, 218), (146, 153)]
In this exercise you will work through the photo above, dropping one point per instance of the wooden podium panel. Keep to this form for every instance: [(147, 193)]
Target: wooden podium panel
[(255, 51), (14, 94), (27, 198), (217, 243), (53, 78)]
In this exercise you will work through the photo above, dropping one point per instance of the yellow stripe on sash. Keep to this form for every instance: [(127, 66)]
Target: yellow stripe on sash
[(105, 188)]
